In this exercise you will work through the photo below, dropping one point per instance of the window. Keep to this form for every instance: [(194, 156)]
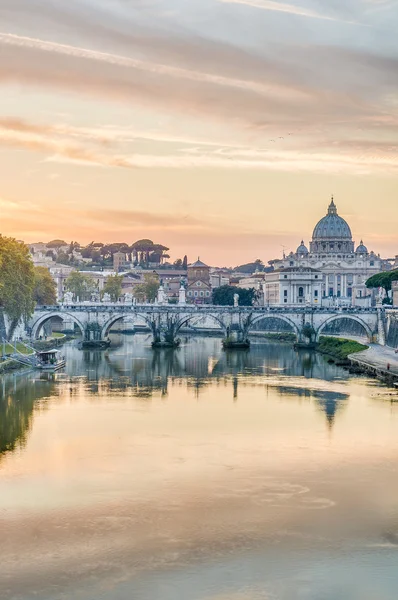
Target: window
[(202, 293), (207, 293), (316, 294), (285, 293), (285, 277), (195, 293), (316, 276), (285, 300), (372, 263), (291, 263), (198, 283), (301, 292)]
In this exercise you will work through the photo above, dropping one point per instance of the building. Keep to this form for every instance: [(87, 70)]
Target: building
[(293, 285), (198, 270), (199, 288), (219, 277), (395, 293), (119, 261), (344, 268)]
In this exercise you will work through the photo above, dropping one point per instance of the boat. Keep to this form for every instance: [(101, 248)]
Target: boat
[(50, 360)]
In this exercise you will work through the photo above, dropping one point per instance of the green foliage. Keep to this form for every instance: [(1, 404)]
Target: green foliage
[(145, 251), (81, 285), (63, 258), (185, 262), (339, 348), (224, 296), (16, 279), (56, 244), (113, 287), (44, 291), (383, 280), (250, 268), (308, 331), (147, 291)]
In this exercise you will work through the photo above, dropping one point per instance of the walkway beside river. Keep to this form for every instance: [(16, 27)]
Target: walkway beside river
[(380, 359)]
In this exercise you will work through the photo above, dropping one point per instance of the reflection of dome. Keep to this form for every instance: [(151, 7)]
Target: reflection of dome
[(332, 227), (302, 249), (361, 249)]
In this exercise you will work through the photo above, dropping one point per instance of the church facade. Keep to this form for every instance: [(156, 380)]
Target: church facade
[(331, 259)]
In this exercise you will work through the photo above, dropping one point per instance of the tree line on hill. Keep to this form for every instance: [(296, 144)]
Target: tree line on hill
[(143, 252)]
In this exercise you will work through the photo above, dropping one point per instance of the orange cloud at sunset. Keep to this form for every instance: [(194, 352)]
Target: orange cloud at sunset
[(135, 121)]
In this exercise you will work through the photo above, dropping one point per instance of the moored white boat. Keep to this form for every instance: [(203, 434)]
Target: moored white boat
[(50, 360)]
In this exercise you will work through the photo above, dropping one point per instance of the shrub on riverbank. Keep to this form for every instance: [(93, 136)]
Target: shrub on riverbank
[(7, 366), (339, 348)]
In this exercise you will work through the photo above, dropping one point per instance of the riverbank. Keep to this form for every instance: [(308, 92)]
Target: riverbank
[(378, 361), (10, 365), (339, 349)]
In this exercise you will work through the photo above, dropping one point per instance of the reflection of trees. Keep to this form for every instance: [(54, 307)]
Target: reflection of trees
[(17, 399), (135, 369)]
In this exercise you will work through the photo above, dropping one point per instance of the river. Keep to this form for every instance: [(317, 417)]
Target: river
[(197, 474)]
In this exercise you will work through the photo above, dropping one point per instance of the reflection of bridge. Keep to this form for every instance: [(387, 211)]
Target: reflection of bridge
[(165, 322)]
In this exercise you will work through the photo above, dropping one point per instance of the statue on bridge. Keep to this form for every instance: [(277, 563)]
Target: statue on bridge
[(68, 298), (128, 298), (236, 300), (161, 298), (106, 297), (182, 294)]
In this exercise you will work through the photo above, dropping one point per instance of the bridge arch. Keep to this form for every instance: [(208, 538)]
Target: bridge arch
[(334, 318), (191, 317), (279, 317), (120, 317), (38, 324)]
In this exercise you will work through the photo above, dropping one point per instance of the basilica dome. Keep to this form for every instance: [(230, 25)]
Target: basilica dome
[(302, 249), (361, 249), (332, 227)]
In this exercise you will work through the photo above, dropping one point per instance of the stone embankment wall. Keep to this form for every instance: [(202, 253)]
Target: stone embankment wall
[(392, 335)]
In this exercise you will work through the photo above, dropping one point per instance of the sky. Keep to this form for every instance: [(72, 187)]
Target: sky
[(219, 128)]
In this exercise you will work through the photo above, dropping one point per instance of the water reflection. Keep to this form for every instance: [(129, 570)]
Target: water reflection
[(132, 368), (197, 474), (18, 398)]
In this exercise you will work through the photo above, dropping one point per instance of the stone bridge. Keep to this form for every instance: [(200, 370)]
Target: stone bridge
[(166, 321)]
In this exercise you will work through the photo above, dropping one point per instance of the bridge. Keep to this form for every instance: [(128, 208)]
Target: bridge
[(95, 320)]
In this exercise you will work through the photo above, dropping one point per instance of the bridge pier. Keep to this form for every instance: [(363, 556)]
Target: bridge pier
[(237, 331), (164, 327)]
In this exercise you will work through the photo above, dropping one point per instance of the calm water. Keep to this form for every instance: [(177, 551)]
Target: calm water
[(197, 475)]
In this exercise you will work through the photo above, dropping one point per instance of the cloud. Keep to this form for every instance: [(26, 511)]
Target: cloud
[(355, 156), (290, 9), (271, 100)]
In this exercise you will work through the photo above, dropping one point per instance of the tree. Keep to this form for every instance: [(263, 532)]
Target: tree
[(44, 291), (113, 287), (224, 295), (81, 285), (51, 254), (145, 251), (383, 280), (16, 283), (185, 262), (250, 268), (177, 263), (63, 258), (56, 244), (147, 291)]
